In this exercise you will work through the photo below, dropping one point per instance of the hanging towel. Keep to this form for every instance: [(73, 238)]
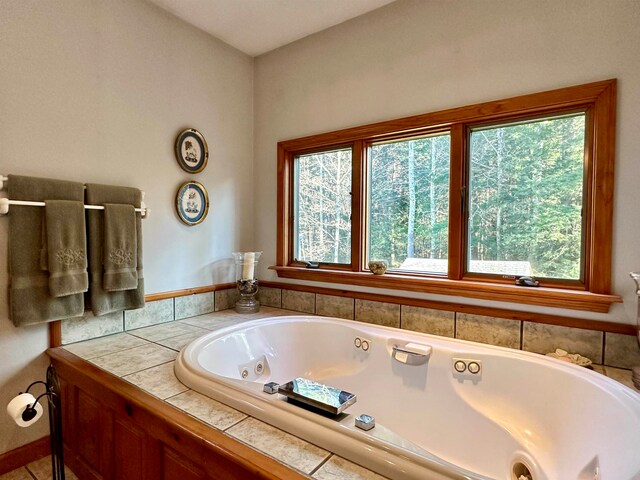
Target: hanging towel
[(102, 300), (66, 247), (120, 248), (29, 297)]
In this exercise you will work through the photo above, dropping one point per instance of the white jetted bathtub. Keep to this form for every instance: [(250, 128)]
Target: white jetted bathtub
[(520, 414)]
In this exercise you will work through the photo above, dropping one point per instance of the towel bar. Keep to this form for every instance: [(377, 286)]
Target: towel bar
[(5, 202)]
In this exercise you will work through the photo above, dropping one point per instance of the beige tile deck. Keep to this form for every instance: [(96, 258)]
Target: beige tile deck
[(135, 359), (105, 345), (166, 330), (159, 381), (206, 409), (282, 446), (337, 468)]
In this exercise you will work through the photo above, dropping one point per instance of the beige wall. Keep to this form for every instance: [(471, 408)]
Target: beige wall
[(96, 91), (419, 56)]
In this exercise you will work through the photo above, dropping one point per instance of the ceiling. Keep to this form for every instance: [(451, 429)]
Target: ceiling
[(258, 26)]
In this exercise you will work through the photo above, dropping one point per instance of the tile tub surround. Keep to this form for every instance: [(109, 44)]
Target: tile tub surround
[(270, 297), (540, 338), (152, 313), (304, 302), (494, 331), (192, 305), (621, 350), (380, 313), (428, 320), (226, 298), (613, 349), (150, 368), (334, 306), (90, 326)]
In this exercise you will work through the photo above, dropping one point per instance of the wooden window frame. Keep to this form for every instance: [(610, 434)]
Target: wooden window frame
[(597, 99)]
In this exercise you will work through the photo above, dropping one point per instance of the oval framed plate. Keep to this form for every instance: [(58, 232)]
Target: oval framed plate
[(192, 151), (192, 203)]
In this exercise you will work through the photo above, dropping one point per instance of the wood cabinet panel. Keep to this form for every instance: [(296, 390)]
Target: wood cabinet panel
[(129, 451), (176, 467), (114, 431)]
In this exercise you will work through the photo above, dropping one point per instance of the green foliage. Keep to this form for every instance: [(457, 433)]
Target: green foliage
[(323, 205), (391, 187), (525, 199), (526, 195)]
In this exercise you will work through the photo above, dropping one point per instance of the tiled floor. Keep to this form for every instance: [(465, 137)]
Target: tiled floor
[(145, 358), (38, 470)]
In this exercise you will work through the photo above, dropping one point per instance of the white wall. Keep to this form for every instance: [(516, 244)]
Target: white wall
[(97, 91), (417, 56)]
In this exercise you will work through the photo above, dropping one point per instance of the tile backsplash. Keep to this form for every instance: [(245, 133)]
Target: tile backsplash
[(610, 349)]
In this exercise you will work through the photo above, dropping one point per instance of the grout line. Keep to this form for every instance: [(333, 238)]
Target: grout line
[(321, 464), (145, 369), (110, 353), (33, 475), (246, 417), (455, 324), (177, 394), (521, 334), (173, 306)]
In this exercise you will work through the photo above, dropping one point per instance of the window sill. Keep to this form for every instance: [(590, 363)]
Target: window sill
[(547, 297)]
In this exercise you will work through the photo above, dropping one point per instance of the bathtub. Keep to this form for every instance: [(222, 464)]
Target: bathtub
[(506, 413)]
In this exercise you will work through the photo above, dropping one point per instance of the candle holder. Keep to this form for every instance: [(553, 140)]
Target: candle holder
[(246, 281)]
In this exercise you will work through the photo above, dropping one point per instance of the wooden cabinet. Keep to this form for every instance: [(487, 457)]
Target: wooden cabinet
[(114, 431)]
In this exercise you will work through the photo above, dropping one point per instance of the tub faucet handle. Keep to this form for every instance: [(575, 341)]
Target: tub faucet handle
[(270, 388), (365, 422)]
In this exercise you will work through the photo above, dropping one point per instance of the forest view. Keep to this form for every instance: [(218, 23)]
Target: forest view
[(524, 201)]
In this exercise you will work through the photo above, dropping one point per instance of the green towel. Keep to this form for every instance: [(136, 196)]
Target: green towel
[(66, 247), (120, 248), (29, 297), (104, 301)]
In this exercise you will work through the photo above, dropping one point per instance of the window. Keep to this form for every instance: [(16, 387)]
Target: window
[(322, 199), (409, 203), (526, 185), (460, 202)]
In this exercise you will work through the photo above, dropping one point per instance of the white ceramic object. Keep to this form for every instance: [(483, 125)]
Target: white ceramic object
[(520, 410)]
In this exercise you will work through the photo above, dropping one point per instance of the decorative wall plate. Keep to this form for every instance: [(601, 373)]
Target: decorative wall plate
[(192, 203), (192, 151)]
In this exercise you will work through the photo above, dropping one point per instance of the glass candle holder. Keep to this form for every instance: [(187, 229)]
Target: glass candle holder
[(246, 263)]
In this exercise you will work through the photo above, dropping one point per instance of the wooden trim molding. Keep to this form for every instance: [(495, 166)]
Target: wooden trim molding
[(28, 453), (559, 320), (546, 297), (153, 297), (591, 293)]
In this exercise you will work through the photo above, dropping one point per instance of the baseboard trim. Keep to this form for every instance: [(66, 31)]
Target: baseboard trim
[(28, 453)]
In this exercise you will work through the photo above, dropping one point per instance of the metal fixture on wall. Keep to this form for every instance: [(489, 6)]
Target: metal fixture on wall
[(25, 411)]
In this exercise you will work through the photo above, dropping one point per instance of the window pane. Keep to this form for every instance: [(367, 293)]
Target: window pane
[(322, 199), (525, 204), (409, 203)]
